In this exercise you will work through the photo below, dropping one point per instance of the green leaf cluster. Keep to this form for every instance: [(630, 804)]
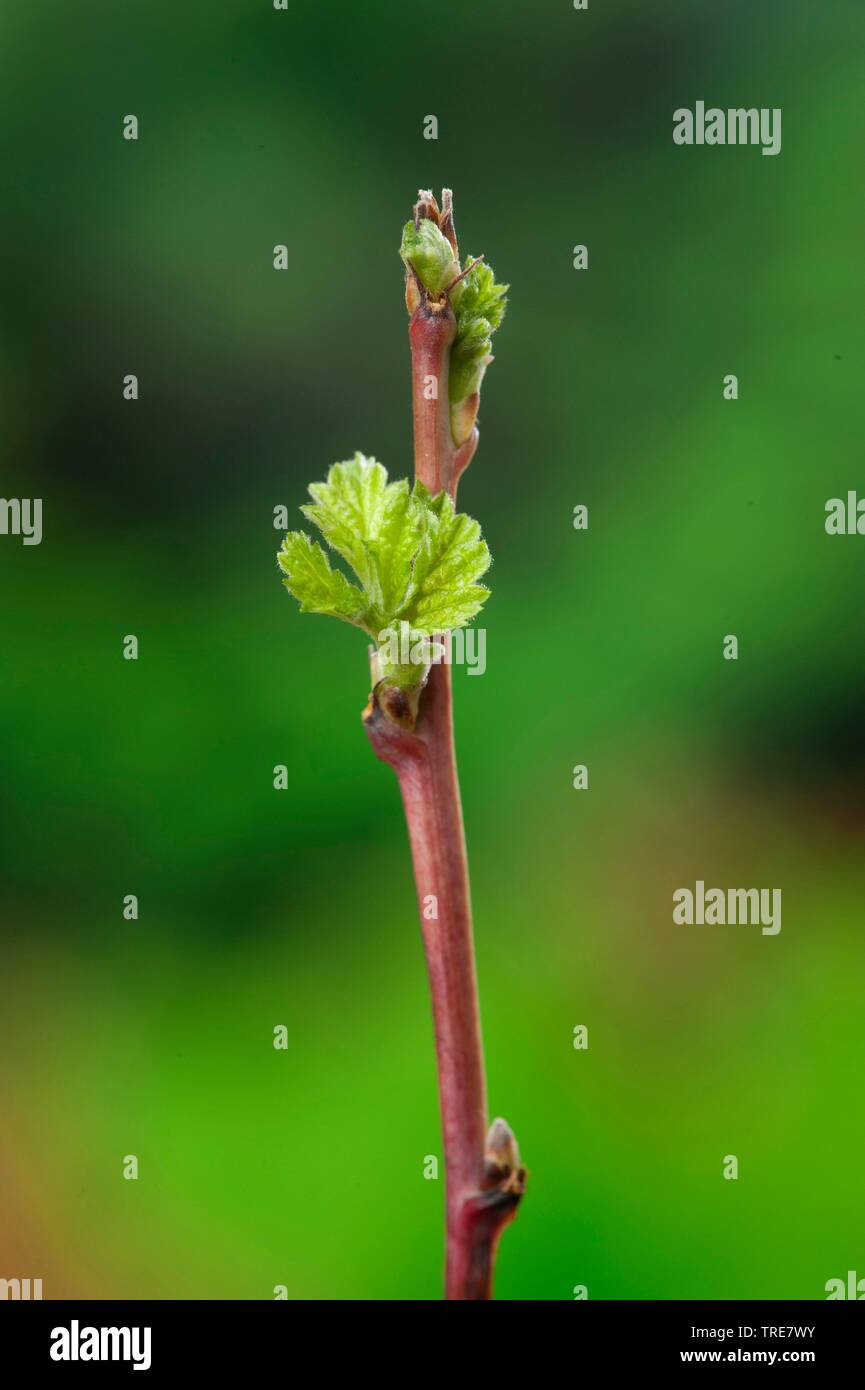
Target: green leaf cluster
[(416, 559)]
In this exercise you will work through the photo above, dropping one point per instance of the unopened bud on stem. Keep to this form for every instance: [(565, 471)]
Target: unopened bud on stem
[(435, 282)]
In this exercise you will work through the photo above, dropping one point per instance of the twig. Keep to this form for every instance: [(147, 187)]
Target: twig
[(484, 1178)]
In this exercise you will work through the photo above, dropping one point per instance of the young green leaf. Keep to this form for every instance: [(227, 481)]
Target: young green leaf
[(317, 587), (417, 559), (479, 305), (480, 296), (347, 509), (444, 592)]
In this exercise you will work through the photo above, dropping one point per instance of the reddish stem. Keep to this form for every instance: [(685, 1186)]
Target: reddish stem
[(424, 764), (484, 1179), (438, 461), (431, 333)]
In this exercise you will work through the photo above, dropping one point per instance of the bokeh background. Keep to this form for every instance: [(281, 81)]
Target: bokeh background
[(259, 907)]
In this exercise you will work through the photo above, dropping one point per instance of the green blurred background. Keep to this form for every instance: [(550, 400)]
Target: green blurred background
[(259, 907)]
